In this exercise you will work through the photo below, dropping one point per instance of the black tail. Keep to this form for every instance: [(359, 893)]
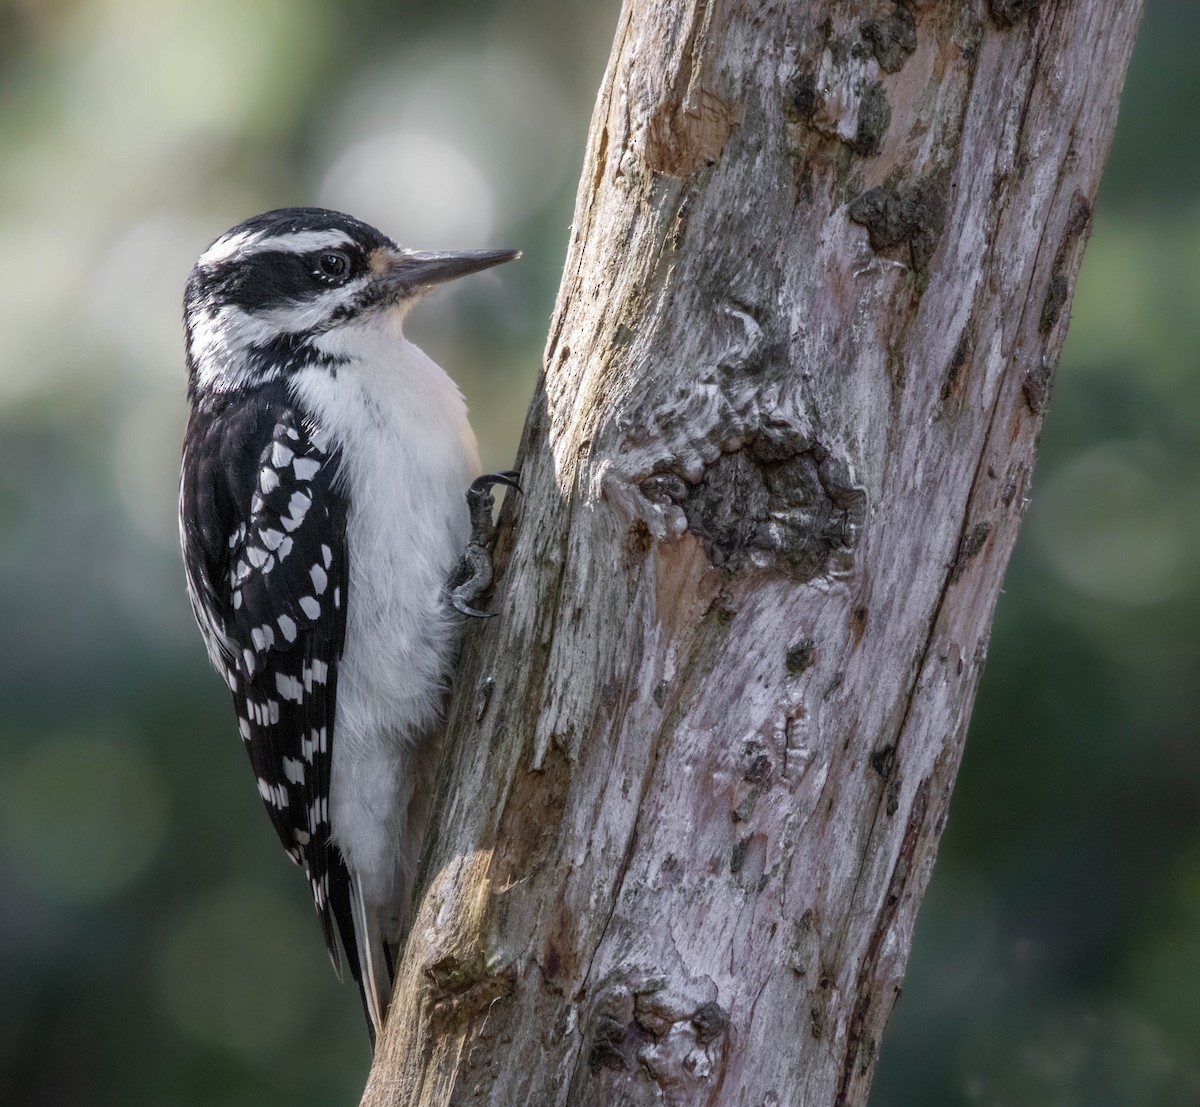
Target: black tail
[(365, 949)]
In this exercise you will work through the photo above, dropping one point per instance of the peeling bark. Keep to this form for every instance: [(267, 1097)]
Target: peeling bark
[(819, 279)]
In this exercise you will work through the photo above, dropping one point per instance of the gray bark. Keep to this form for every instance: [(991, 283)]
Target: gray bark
[(819, 278)]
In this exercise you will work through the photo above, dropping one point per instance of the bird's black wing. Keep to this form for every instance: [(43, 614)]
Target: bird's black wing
[(263, 527)]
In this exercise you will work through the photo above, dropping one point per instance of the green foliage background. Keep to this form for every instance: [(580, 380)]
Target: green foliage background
[(155, 947)]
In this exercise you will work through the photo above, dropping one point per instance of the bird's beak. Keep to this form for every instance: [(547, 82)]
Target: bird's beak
[(406, 271)]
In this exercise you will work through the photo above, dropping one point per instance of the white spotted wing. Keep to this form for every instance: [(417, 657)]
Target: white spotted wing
[(270, 594)]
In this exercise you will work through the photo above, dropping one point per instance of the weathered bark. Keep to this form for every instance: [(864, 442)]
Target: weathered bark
[(820, 275)]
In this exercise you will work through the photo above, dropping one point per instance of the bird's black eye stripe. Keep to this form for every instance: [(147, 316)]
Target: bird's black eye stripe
[(333, 265)]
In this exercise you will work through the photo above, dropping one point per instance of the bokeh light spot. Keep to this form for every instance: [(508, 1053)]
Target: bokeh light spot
[(440, 198), (238, 969), (1108, 523), (85, 814)]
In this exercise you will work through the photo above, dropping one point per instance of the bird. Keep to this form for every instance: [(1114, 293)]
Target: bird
[(328, 553)]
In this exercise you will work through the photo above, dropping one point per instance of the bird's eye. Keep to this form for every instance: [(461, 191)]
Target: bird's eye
[(333, 264)]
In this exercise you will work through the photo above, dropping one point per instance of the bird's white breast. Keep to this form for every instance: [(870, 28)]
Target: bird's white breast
[(408, 455)]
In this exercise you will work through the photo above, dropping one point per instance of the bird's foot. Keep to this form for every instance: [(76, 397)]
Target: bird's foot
[(472, 576)]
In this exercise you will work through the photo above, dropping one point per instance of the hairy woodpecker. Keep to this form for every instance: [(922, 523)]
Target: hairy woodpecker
[(327, 545)]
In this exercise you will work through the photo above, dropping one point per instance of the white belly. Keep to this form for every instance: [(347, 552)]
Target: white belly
[(408, 456)]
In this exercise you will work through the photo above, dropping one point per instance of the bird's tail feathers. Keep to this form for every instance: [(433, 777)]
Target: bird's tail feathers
[(375, 959), (327, 913)]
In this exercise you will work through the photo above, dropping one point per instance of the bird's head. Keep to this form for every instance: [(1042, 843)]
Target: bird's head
[(262, 298)]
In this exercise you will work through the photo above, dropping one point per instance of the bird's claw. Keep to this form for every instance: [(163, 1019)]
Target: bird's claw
[(507, 477), (464, 608), (472, 577)]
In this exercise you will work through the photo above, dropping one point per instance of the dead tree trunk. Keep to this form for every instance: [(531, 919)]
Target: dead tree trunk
[(819, 278)]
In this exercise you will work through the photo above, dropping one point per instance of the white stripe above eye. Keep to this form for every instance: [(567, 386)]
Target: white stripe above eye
[(248, 243), (224, 248)]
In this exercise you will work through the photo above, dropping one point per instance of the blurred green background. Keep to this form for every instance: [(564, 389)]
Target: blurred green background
[(155, 947)]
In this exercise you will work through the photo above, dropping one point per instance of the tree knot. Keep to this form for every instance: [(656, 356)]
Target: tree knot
[(914, 217), (672, 1033)]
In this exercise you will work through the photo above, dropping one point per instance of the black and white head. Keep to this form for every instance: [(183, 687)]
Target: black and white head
[(270, 296)]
